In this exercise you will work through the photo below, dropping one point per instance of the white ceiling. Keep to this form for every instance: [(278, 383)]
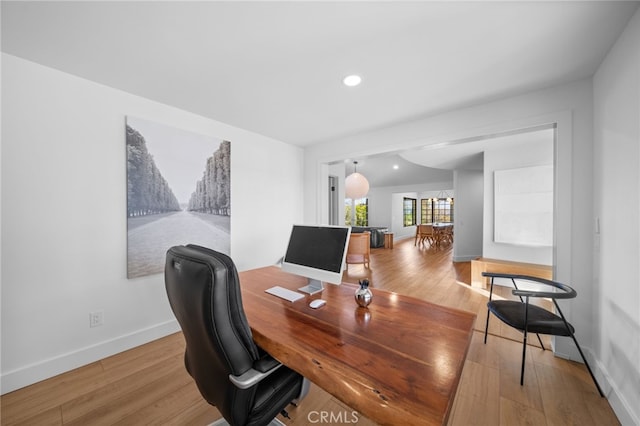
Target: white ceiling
[(380, 171), (275, 68), (435, 163), (469, 154)]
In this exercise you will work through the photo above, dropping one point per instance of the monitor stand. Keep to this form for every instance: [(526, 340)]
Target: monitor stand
[(313, 287)]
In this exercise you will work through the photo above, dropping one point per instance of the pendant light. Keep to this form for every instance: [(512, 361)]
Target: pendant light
[(355, 185)]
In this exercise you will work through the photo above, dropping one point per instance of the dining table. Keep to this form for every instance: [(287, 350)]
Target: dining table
[(442, 232)]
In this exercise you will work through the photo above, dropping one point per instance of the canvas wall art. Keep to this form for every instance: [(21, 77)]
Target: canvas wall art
[(178, 192), (523, 206)]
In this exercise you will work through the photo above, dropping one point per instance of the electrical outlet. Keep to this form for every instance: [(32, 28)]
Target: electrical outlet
[(96, 318)]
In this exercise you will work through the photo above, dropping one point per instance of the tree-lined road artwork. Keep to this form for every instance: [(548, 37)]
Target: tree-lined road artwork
[(177, 193)]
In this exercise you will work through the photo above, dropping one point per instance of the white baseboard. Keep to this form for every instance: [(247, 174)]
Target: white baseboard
[(618, 402), (37, 372), (465, 258)]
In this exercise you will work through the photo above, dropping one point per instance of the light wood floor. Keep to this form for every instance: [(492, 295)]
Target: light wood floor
[(149, 385)]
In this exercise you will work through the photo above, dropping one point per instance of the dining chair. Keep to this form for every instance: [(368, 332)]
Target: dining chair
[(448, 234), (424, 232), (359, 249), (528, 318), (440, 234)]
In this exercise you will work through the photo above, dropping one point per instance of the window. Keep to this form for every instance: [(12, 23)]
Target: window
[(362, 212), (426, 214), (409, 211), (436, 210)]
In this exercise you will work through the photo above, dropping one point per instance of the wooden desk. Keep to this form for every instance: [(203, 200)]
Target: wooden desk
[(397, 362)]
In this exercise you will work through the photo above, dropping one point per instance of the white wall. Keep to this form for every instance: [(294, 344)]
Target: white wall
[(616, 256), (468, 214), (525, 154), (379, 207), (64, 218)]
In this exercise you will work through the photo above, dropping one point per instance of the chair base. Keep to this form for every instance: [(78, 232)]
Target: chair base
[(222, 422), (304, 390)]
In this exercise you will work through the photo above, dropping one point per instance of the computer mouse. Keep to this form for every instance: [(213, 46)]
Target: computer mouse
[(317, 303)]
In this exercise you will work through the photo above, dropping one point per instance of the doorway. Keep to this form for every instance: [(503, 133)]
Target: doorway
[(334, 211)]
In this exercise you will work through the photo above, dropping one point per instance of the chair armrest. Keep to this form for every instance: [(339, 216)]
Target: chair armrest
[(567, 291), (567, 294), (266, 363), (261, 369)]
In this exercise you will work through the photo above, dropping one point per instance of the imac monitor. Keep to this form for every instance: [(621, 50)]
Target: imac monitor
[(318, 253)]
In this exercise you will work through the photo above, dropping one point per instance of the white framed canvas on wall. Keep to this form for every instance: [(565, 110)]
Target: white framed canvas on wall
[(523, 206), (178, 192)]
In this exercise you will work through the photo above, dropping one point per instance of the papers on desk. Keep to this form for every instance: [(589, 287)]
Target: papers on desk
[(285, 293)]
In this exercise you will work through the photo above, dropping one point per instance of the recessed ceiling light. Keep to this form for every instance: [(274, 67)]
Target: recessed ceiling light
[(352, 80), (396, 167)]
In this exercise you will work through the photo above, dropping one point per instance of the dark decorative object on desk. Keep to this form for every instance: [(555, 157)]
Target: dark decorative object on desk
[(363, 294)]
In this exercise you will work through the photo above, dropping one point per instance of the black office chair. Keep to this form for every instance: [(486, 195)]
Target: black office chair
[(247, 385), (528, 318)]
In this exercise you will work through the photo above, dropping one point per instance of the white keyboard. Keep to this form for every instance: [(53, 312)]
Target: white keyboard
[(285, 293)]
